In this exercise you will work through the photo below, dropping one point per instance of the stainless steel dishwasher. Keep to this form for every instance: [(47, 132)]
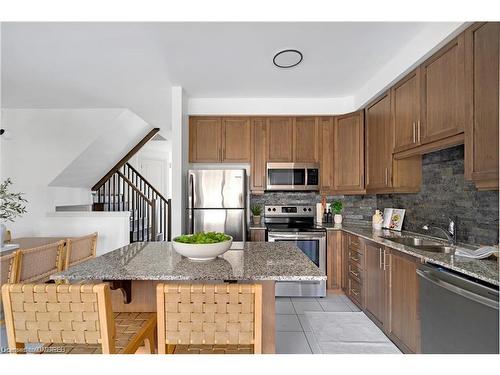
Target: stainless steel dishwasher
[(458, 314)]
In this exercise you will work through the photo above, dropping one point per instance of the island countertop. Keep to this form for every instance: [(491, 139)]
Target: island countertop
[(159, 261)]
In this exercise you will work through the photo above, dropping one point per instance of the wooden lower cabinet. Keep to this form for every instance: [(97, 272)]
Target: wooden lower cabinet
[(354, 265), (258, 234), (383, 283), (376, 283), (334, 259), (404, 328)]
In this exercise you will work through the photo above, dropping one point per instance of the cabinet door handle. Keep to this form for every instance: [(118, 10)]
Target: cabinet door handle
[(386, 177), (380, 258), (386, 267), (418, 131), (414, 132)]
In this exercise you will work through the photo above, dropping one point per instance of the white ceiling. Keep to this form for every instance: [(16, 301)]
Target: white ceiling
[(134, 65)]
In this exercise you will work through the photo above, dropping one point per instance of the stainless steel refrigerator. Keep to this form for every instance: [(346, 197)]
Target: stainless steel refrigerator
[(217, 202)]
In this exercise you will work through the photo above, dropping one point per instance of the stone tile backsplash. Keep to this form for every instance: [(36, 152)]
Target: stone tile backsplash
[(444, 193)]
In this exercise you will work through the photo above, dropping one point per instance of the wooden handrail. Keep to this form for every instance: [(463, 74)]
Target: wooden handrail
[(126, 158), (146, 182), (129, 183)]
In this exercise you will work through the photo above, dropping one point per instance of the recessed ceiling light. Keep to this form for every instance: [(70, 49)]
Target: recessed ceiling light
[(287, 58)]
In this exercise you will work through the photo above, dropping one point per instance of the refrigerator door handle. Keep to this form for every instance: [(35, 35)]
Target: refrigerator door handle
[(191, 191)]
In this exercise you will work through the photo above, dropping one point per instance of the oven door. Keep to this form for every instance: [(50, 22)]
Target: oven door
[(313, 245)]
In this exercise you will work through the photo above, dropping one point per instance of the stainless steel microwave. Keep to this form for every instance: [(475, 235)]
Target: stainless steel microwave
[(292, 176)]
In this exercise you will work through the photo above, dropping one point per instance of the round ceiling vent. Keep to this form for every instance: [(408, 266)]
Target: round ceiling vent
[(287, 58)]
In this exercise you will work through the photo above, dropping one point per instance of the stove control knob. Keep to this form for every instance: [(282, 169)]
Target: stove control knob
[(269, 209), (274, 209), (305, 209), (309, 209)]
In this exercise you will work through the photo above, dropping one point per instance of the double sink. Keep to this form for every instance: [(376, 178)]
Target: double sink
[(422, 244)]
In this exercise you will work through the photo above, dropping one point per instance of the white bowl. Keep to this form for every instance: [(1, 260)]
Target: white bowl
[(202, 251)]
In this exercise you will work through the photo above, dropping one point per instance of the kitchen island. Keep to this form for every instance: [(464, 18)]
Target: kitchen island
[(134, 270)]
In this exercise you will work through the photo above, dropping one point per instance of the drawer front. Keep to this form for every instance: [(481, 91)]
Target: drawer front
[(355, 271), (355, 257), (355, 291), (353, 241)]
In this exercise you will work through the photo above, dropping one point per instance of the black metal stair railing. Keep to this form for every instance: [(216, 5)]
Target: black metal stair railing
[(128, 190)]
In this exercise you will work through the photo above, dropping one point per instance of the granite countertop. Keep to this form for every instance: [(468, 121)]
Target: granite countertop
[(483, 269), (159, 261)]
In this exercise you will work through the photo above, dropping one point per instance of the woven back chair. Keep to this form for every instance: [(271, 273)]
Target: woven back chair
[(72, 319), (38, 263), (209, 318), (80, 249), (8, 273)]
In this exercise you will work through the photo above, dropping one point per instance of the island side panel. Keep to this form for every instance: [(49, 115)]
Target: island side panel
[(268, 317), (144, 300), (143, 297)]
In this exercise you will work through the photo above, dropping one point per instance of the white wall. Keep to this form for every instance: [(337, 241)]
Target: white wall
[(270, 106), (156, 150), (180, 144), (113, 228), (422, 46), (42, 143)]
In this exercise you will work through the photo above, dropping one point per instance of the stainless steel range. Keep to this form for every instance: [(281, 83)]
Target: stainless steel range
[(296, 224)]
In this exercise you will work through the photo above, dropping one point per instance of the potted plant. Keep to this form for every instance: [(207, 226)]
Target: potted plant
[(12, 205), (256, 212), (336, 208)]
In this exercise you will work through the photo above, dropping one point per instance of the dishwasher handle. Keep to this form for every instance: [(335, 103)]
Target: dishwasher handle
[(430, 276)]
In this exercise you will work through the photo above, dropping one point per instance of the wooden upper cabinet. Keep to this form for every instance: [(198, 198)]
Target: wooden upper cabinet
[(404, 300), (443, 94), (348, 146), (481, 132), (279, 139), (376, 283), (326, 153), (235, 140), (258, 155), (378, 146), (205, 139), (305, 139), (405, 101)]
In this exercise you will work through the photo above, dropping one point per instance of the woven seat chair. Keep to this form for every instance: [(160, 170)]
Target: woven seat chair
[(80, 249), (8, 271), (73, 319), (209, 318), (38, 263)]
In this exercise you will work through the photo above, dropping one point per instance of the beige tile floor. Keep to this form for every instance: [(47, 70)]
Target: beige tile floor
[(293, 334)]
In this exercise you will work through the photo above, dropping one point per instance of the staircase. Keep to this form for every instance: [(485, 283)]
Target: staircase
[(125, 189)]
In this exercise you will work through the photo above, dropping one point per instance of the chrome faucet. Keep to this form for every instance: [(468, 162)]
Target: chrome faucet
[(450, 233)]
